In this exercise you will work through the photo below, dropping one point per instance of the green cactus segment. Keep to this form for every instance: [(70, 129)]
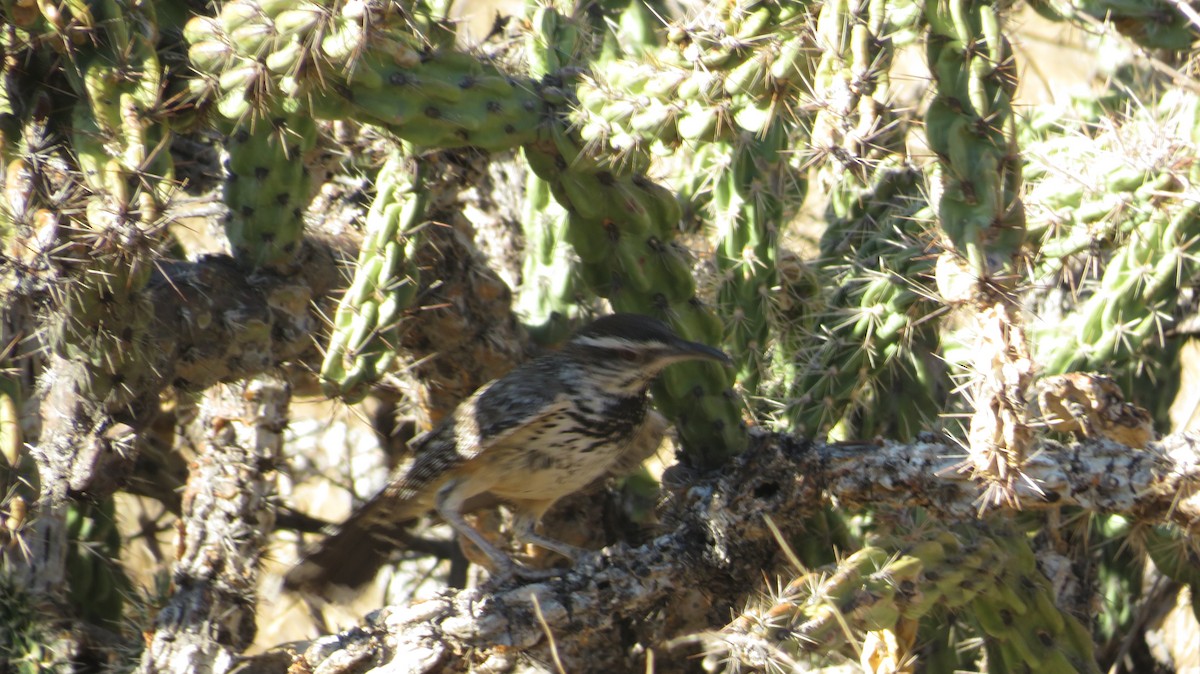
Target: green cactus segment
[(851, 89), (450, 99), (637, 28), (971, 126), (98, 584), (1118, 228), (27, 634), (749, 211), (739, 67), (874, 254), (550, 287), (548, 299), (1118, 238), (1134, 301), (875, 588), (390, 68), (554, 41), (1154, 24), (874, 333), (363, 344), (120, 145), (267, 187), (121, 151), (741, 72), (1020, 622), (621, 226), (991, 577)]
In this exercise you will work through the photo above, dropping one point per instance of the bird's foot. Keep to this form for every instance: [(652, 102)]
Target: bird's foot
[(510, 570)]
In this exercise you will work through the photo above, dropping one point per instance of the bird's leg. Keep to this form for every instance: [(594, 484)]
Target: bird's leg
[(526, 517), (448, 505)]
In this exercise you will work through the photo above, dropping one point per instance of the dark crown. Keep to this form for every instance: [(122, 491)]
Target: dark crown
[(633, 327)]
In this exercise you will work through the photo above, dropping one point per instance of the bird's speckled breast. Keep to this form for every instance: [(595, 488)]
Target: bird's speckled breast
[(562, 453)]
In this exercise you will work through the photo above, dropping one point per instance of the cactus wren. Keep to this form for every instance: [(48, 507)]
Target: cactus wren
[(543, 431)]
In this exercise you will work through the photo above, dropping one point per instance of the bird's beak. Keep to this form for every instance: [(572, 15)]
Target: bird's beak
[(685, 350)]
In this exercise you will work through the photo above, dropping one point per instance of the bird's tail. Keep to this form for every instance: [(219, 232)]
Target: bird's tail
[(354, 553)]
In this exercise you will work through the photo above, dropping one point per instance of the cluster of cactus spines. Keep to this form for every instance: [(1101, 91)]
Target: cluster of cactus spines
[(267, 187), (736, 67), (748, 212), (1121, 232), (395, 67), (1134, 300), (875, 328), (363, 342), (851, 90), (1154, 24), (550, 289), (989, 576), (971, 126), (873, 251), (35, 170), (120, 146), (621, 225), (855, 131)]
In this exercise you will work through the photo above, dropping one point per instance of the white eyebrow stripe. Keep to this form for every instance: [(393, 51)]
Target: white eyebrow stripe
[(607, 342)]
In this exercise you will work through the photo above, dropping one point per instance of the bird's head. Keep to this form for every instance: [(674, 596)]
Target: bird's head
[(625, 351)]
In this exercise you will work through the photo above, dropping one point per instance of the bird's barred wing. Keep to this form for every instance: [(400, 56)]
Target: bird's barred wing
[(501, 409), (496, 413)]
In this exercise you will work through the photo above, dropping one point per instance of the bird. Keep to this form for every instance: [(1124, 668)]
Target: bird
[(543, 431)]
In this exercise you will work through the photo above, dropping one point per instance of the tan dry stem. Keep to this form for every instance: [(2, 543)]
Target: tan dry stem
[(999, 438)]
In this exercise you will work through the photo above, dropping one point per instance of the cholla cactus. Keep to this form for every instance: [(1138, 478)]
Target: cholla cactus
[(890, 585), (621, 113)]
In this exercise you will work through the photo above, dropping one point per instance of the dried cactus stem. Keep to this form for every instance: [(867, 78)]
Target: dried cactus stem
[(227, 514), (971, 126)]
